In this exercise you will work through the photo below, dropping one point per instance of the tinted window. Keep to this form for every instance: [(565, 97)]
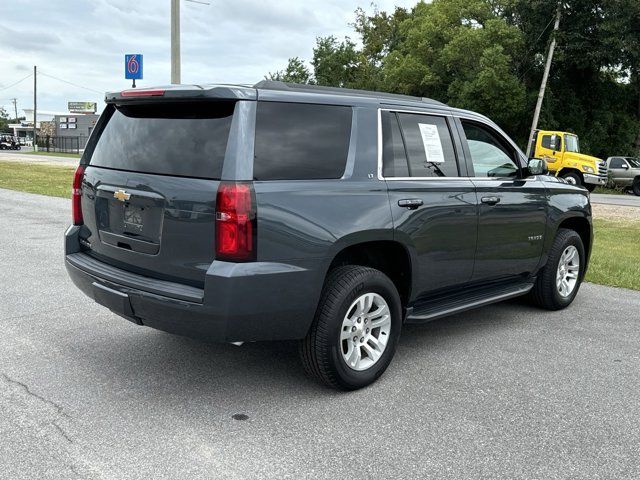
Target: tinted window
[(394, 157), (490, 156), (182, 139), (429, 146), (616, 163), (297, 141)]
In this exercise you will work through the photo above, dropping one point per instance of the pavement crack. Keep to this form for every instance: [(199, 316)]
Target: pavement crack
[(28, 391), (59, 411)]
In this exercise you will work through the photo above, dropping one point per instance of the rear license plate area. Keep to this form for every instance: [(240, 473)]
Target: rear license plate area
[(133, 217)]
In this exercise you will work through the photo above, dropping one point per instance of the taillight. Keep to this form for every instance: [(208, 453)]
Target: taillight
[(76, 196), (235, 222)]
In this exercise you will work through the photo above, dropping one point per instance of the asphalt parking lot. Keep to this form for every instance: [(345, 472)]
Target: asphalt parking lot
[(506, 391)]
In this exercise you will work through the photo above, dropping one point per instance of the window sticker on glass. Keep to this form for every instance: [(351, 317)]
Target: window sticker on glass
[(432, 143)]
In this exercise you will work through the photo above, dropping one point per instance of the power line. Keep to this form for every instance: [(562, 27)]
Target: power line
[(16, 83), (533, 46), (71, 83)]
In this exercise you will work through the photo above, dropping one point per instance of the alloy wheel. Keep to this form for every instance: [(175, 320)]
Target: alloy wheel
[(365, 331)]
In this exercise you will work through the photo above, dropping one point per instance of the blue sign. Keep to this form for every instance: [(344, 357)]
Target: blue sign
[(133, 66)]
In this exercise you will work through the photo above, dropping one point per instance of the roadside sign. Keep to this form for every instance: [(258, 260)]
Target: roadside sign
[(82, 107), (133, 66)]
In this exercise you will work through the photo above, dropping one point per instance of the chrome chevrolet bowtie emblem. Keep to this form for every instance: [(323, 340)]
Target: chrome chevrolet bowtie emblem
[(121, 195)]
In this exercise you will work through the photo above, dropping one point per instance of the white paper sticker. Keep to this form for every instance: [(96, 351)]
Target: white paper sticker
[(432, 143)]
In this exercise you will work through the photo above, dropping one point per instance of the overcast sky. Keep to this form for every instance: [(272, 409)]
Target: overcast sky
[(84, 42)]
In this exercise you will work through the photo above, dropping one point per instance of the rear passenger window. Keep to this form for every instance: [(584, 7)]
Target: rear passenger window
[(428, 148), (394, 156), (298, 141)]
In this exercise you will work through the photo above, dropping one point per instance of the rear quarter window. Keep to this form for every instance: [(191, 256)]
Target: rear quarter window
[(179, 139), (298, 141)]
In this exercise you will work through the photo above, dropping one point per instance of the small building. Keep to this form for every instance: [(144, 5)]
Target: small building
[(72, 129), (23, 131)]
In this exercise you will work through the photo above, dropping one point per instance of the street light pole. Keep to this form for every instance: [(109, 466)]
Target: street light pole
[(175, 41)]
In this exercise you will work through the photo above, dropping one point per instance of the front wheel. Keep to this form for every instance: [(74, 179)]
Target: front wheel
[(590, 186), (356, 328), (573, 178), (559, 280), (636, 187)]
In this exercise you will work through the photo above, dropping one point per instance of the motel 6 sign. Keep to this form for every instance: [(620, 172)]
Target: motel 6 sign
[(133, 66)]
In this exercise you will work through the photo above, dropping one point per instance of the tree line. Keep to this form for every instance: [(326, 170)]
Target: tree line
[(488, 56)]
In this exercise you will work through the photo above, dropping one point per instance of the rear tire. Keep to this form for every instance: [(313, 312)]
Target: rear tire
[(548, 292), (341, 326), (574, 178), (636, 187)]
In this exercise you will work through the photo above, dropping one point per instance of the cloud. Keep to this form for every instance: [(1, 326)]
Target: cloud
[(27, 39), (227, 41)]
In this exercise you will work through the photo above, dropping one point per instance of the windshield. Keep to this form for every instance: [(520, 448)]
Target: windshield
[(571, 144), (633, 162)]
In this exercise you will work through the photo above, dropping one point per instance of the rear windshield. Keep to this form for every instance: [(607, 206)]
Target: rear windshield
[(180, 139)]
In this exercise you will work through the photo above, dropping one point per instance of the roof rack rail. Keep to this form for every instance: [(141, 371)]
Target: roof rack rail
[(291, 87)]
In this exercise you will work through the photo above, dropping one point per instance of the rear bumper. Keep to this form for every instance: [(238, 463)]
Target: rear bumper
[(239, 302)]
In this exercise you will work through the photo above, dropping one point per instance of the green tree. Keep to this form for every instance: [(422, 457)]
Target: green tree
[(488, 56), (463, 53), (295, 72), (4, 121)]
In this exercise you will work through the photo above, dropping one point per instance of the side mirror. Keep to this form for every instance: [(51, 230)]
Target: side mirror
[(625, 166), (537, 166)]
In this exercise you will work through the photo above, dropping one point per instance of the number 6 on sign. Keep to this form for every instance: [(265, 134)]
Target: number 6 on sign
[(133, 67)]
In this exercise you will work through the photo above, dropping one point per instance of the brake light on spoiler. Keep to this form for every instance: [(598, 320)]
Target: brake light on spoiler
[(143, 92)]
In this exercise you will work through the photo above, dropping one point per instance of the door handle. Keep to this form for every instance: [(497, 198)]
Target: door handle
[(490, 200), (410, 203)]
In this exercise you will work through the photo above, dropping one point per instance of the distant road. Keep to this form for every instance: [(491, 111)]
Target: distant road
[(625, 200), (8, 156)]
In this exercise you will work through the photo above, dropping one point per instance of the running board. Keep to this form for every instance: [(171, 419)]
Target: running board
[(432, 309)]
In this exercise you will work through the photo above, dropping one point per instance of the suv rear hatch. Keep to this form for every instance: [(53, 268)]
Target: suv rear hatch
[(150, 182)]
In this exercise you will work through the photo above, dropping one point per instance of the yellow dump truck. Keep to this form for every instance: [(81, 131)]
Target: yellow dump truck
[(561, 150)]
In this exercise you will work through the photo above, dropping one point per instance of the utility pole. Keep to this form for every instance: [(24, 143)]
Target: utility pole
[(15, 107), (545, 76), (175, 41), (35, 107)]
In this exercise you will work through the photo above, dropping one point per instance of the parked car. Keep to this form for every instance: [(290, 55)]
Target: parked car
[(328, 216), (624, 172), (9, 142), (561, 150)]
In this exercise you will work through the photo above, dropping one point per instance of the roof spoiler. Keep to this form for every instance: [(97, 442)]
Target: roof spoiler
[(182, 92)]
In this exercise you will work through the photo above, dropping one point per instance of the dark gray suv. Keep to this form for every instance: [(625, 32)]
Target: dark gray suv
[(329, 216)]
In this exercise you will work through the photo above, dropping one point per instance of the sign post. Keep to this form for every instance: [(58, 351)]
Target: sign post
[(133, 67)]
